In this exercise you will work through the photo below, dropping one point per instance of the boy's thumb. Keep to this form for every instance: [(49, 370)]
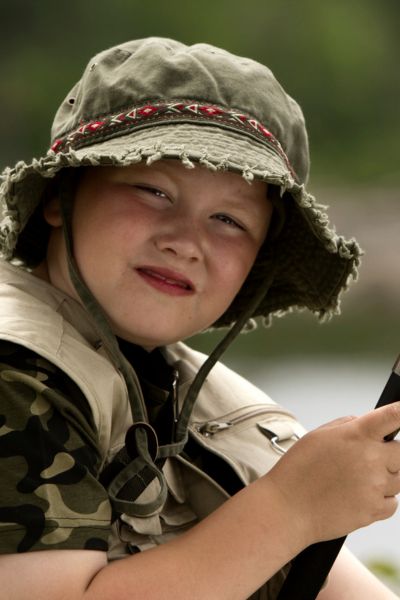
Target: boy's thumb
[(338, 421), (382, 422)]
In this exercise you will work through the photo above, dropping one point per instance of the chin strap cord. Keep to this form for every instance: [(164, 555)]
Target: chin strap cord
[(193, 392)]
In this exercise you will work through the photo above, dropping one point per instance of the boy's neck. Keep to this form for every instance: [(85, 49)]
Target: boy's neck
[(41, 271)]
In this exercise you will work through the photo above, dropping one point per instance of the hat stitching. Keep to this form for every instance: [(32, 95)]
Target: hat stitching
[(152, 113)]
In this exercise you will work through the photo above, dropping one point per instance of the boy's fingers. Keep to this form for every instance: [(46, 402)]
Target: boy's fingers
[(381, 422), (338, 421)]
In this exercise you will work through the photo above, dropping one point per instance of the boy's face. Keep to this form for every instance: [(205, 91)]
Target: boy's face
[(163, 248)]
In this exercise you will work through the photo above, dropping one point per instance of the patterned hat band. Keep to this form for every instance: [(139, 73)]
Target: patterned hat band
[(153, 113)]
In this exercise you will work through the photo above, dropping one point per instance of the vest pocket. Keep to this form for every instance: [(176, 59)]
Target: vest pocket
[(250, 439)]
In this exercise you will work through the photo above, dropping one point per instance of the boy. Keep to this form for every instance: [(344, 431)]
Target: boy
[(172, 200)]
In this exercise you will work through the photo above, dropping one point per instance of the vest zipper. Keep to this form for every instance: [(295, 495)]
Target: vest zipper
[(210, 428), (174, 385)]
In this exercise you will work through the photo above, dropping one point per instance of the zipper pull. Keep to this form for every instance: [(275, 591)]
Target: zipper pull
[(174, 385), (212, 427)]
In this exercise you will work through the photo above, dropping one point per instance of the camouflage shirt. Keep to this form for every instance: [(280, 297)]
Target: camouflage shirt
[(50, 496)]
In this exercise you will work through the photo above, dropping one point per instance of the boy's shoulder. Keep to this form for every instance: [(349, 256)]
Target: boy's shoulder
[(223, 391), (188, 361), (33, 309), (234, 419)]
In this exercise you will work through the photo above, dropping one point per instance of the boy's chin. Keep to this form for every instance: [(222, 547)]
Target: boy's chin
[(147, 343), (150, 344)]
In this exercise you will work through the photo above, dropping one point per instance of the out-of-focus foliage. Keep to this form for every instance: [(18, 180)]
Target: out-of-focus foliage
[(387, 571), (339, 59)]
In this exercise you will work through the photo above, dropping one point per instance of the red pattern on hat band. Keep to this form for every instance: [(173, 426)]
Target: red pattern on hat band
[(173, 112)]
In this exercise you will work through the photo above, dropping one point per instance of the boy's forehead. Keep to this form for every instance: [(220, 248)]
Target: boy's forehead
[(176, 170)]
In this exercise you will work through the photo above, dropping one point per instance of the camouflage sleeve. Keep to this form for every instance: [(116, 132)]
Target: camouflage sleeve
[(50, 496)]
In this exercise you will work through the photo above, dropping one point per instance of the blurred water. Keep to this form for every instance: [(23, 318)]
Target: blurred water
[(317, 391)]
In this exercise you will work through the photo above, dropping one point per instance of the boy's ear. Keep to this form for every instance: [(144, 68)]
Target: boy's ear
[(52, 212)]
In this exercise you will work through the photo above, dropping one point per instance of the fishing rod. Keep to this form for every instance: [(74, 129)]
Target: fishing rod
[(311, 567)]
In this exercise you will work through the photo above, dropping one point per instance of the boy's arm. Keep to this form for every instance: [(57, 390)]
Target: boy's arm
[(351, 580), (227, 556), (332, 481), (67, 574)]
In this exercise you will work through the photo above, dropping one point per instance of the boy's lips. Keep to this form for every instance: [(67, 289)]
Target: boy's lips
[(166, 280)]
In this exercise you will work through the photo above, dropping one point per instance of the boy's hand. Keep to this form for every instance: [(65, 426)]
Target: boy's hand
[(342, 476)]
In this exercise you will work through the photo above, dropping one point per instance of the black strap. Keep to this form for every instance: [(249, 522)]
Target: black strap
[(309, 571)]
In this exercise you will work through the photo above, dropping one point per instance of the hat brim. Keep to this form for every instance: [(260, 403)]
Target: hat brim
[(205, 144), (318, 264)]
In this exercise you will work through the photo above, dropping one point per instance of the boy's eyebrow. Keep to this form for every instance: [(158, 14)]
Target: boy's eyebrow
[(242, 201)]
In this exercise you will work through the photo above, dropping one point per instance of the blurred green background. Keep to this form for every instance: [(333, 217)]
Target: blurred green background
[(338, 59)]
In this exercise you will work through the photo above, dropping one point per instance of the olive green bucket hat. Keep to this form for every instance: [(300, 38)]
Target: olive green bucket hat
[(155, 98)]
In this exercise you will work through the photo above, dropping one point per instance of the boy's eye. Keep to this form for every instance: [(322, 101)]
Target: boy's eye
[(228, 220), (152, 190)]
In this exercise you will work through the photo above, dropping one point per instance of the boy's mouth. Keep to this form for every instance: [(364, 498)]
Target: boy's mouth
[(166, 279)]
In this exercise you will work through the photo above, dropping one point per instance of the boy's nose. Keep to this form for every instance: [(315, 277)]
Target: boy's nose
[(182, 240)]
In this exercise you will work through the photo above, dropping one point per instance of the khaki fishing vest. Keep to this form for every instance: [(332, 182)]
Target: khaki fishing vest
[(231, 419)]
